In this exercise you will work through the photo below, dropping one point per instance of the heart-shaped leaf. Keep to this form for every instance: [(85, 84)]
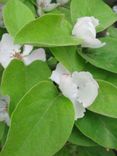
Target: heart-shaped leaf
[(41, 123), (48, 30), (18, 79), (67, 56), (16, 15)]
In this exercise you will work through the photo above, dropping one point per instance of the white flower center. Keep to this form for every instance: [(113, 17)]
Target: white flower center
[(16, 54)]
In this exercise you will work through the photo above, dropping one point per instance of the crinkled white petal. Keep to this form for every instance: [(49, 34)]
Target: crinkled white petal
[(93, 43), (85, 29), (4, 102), (68, 87), (50, 7), (7, 44), (115, 8), (7, 49), (62, 1), (79, 110), (87, 88), (45, 6), (44, 2), (58, 72), (7, 119), (38, 54), (4, 117), (95, 21), (27, 49), (40, 11)]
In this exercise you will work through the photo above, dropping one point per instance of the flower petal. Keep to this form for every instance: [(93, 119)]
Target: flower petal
[(79, 110), (62, 2), (27, 49), (58, 72), (115, 8), (85, 29), (93, 43), (69, 89), (38, 54), (7, 48), (50, 7), (87, 88)]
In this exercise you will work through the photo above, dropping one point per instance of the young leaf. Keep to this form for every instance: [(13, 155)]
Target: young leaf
[(100, 129), (48, 30), (18, 79), (16, 15), (96, 8), (41, 123)]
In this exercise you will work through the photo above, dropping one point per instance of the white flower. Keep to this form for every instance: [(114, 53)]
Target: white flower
[(115, 8), (45, 6), (62, 2), (79, 87), (1, 16), (9, 51), (4, 116), (85, 29)]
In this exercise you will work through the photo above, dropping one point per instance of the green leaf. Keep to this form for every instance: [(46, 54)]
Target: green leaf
[(41, 123), (2, 128), (94, 151), (16, 15), (105, 103), (4, 137), (79, 139), (30, 4), (67, 56), (112, 32), (48, 30), (18, 79), (100, 129), (62, 10), (96, 8), (105, 57), (1, 72)]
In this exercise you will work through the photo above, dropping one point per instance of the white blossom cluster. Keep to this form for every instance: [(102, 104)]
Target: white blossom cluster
[(80, 87)]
